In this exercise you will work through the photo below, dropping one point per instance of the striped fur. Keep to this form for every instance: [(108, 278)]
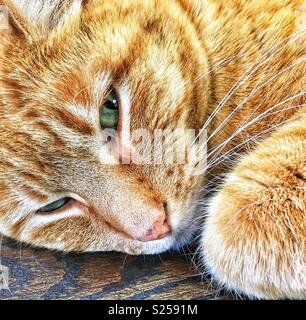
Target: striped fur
[(236, 69)]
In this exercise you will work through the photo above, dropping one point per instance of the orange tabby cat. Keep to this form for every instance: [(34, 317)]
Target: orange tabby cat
[(235, 69)]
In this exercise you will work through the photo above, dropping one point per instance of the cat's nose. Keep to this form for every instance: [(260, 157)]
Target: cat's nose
[(159, 230)]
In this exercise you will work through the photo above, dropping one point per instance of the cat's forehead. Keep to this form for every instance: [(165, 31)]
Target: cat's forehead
[(81, 72), (119, 44), (152, 65)]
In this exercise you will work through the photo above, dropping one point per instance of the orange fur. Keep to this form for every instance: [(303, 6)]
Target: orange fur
[(173, 63)]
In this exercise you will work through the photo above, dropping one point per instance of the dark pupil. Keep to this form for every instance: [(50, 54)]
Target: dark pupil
[(111, 104), (109, 116)]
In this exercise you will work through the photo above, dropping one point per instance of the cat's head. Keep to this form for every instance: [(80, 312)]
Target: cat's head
[(71, 69)]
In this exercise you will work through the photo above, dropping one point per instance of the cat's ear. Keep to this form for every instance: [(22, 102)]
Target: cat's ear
[(36, 18), (14, 22)]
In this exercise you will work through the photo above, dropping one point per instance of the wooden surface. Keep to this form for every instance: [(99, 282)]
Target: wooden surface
[(41, 274)]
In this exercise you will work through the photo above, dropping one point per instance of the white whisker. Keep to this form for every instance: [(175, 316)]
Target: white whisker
[(250, 95), (259, 117), (246, 75), (251, 139)]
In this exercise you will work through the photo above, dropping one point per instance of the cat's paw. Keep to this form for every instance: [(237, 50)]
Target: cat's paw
[(254, 239)]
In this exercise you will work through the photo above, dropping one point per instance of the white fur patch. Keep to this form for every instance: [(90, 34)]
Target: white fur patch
[(45, 13), (26, 206), (125, 98), (43, 219), (89, 115)]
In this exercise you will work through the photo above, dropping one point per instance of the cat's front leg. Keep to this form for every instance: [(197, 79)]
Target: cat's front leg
[(254, 239)]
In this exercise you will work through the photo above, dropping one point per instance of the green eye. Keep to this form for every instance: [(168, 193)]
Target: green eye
[(54, 205), (109, 116)]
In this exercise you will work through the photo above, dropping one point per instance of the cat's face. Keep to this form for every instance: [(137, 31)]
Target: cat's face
[(60, 187)]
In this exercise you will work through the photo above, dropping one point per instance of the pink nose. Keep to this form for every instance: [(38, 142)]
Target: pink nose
[(160, 229)]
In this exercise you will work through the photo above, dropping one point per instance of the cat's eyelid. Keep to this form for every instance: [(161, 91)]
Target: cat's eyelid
[(64, 195), (77, 198), (72, 210), (124, 119)]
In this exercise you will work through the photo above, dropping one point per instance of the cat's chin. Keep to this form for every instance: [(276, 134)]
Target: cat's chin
[(183, 235), (173, 242), (170, 242), (163, 245)]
